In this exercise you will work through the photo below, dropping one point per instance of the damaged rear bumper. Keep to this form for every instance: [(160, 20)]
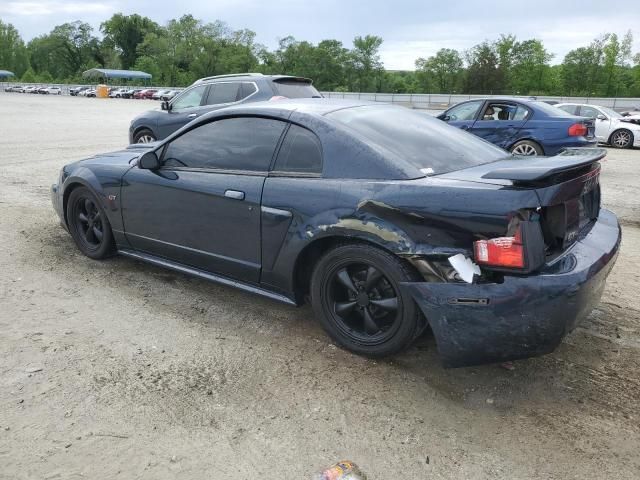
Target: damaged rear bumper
[(524, 316)]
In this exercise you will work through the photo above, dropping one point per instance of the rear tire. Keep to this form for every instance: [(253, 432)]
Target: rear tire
[(144, 136), (356, 297), (527, 148), (622, 138)]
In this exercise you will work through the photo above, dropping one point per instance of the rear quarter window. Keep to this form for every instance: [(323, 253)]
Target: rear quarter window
[(300, 152)]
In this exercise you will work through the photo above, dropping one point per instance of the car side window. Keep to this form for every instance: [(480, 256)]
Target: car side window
[(189, 99), (588, 112), (238, 143), (465, 111), (300, 152), (226, 92), (569, 109)]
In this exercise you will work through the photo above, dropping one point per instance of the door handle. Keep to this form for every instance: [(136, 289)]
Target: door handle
[(464, 127), (192, 115), (235, 194)]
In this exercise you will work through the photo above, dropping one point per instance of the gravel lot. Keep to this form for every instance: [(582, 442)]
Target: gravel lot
[(119, 369)]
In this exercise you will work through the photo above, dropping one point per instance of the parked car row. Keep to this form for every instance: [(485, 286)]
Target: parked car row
[(52, 90)]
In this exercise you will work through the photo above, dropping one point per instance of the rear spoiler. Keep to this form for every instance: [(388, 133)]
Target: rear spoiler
[(532, 169), (290, 78)]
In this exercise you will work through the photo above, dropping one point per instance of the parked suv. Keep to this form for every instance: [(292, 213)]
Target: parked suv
[(212, 93)]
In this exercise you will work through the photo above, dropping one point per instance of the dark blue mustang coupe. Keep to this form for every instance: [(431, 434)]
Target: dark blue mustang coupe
[(524, 127), (389, 220)]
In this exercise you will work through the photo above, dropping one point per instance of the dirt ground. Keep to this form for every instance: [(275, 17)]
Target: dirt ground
[(119, 369)]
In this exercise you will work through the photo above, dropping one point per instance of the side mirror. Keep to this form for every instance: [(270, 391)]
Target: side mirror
[(166, 106), (149, 161), (601, 117), (444, 117)]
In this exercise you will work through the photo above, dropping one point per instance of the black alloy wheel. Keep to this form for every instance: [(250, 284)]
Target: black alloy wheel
[(356, 296), (364, 303), (88, 224)]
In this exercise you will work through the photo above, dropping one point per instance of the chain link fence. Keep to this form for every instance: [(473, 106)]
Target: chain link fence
[(425, 101), (441, 101)]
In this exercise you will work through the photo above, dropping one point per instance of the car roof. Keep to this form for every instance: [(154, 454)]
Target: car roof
[(248, 76), (522, 100), (318, 106), (578, 104)]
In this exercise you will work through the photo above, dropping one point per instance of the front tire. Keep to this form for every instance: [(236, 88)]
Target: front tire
[(622, 138), (526, 148), (89, 225), (356, 296), (144, 136)]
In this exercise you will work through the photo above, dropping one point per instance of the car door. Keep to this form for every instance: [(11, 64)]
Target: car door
[(602, 125), (297, 168), (184, 108), (202, 207), (500, 122), (462, 115)]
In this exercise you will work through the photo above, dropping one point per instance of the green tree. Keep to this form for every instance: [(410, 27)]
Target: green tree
[(13, 53), (66, 51), (124, 33), (365, 62), (330, 62), (29, 76), (444, 69), (615, 56), (483, 73), (529, 65)]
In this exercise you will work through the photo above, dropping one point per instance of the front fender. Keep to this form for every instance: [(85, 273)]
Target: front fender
[(106, 188)]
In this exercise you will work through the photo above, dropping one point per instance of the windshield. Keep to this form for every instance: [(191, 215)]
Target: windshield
[(292, 88), (424, 141), (610, 113)]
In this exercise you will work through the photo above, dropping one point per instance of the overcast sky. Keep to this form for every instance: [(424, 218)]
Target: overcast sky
[(410, 28)]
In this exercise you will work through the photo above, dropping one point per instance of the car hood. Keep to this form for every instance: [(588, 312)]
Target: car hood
[(632, 121), (119, 158)]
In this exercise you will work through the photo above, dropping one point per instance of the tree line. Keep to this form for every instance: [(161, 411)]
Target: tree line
[(185, 49)]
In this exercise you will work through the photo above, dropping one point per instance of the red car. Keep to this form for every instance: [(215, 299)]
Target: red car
[(145, 94)]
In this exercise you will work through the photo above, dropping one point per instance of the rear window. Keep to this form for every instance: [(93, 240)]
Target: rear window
[(549, 110), (292, 88), (427, 143)]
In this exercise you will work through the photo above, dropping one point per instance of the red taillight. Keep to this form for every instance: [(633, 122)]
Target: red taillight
[(501, 252), (278, 97), (578, 130)]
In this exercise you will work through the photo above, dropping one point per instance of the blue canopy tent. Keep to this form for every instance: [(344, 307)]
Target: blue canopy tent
[(108, 74), (6, 74)]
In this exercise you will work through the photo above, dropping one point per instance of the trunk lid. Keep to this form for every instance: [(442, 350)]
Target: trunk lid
[(567, 186)]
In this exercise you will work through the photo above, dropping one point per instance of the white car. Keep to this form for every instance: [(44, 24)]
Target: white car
[(158, 95), (52, 91), (611, 127), (117, 93)]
